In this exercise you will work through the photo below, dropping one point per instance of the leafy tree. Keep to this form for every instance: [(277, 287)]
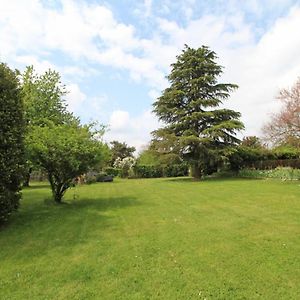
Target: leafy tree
[(284, 126), (152, 157), (64, 152), (11, 141), (252, 142), (195, 126), (43, 100), (120, 150)]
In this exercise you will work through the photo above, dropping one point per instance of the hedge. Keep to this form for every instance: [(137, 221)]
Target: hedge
[(174, 170), (11, 142)]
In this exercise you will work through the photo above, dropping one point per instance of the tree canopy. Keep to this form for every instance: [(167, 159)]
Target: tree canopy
[(195, 126), (64, 152), (44, 102), (44, 98), (284, 126)]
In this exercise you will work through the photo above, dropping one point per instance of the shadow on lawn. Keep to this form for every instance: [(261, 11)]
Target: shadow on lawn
[(103, 204), (46, 213), (35, 187)]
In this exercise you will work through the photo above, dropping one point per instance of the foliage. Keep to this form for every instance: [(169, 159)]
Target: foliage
[(11, 141), (260, 157), (120, 150), (44, 102), (253, 142), (195, 127), (112, 171), (176, 170), (65, 152), (286, 152), (104, 163), (90, 177), (148, 157), (152, 157), (125, 165), (284, 126), (44, 98), (284, 173), (243, 156), (148, 171)]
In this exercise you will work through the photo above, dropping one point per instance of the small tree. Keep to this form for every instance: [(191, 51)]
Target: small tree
[(195, 127), (64, 152), (11, 141), (284, 126), (43, 97)]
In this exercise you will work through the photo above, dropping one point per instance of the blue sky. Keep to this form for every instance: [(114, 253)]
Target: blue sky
[(114, 55)]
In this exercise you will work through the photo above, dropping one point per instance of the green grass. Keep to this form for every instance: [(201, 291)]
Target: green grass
[(155, 239)]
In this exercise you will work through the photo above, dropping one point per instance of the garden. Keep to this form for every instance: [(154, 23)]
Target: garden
[(198, 213)]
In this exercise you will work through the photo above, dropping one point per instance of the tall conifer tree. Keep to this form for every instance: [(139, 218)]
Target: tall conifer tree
[(195, 125)]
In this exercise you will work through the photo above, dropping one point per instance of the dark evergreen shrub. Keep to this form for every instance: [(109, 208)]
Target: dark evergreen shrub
[(11, 141)]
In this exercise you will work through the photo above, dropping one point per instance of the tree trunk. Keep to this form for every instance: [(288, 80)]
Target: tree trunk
[(27, 178), (58, 197), (196, 171), (58, 188)]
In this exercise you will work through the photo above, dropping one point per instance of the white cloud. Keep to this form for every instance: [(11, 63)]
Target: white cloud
[(134, 130), (119, 121), (260, 67), (91, 32), (148, 7), (40, 65), (75, 97)]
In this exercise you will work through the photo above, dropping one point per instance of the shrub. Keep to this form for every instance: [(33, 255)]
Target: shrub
[(112, 171), (174, 170), (11, 142), (286, 152), (148, 171), (284, 173)]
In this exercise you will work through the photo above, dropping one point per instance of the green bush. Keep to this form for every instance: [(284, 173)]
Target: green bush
[(112, 171), (243, 157), (148, 171), (286, 152), (11, 141), (174, 170)]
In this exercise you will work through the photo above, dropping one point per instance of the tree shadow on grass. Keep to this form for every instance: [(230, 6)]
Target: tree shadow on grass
[(43, 229), (48, 213), (35, 187), (103, 204)]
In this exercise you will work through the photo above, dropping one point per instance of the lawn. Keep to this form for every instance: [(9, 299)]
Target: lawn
[(155, 239)]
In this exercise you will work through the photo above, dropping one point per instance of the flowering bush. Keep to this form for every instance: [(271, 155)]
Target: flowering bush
[(125, 165)]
